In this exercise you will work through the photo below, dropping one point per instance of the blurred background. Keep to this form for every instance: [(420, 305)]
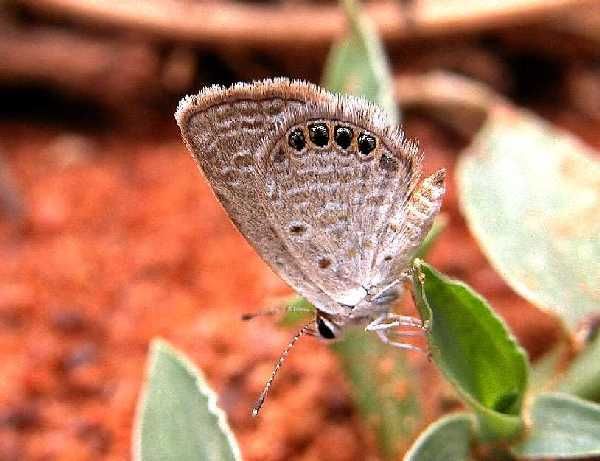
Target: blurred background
[(109, 236)]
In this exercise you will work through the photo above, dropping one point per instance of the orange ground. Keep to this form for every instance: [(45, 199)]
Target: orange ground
[(122, 241)]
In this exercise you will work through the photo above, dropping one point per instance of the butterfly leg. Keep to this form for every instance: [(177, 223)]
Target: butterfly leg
[(408, 333), (392, 320), (384, 338)]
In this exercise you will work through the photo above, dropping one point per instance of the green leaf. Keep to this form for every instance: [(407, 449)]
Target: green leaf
[(358, 65), (178, 418), (448, 438), (583, 376), (531, 196), (383, 389), (474, 349), (563, 427)]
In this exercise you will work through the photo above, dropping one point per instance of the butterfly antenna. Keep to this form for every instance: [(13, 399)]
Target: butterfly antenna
[(263, 395), (274, 311), (252, 315)]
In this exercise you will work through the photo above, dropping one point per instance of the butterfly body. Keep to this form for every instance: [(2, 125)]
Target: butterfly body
[(323, 186)]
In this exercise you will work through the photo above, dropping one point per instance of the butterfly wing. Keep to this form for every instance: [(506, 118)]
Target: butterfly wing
[(407, 226), (332, 201), (223, 129)]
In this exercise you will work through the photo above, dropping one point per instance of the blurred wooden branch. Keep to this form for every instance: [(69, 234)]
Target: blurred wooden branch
[(584, 22), (456, 101), (298, 25), (111, 71)]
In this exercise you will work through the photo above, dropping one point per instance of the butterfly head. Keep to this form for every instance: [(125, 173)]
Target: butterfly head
[(326, 329)]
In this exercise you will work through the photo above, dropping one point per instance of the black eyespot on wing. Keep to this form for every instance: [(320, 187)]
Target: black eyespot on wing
[(343, 136), (366, 143), (296, 139), (319, 134), (324, 330)]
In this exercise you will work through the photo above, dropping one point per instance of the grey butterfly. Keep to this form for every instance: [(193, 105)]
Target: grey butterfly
[(325, 188)]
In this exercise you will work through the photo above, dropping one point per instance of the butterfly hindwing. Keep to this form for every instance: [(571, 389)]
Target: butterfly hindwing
[(223, 129), (331, 200)]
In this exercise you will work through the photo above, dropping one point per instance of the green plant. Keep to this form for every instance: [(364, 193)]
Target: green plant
[(527, 235), (178, 417)]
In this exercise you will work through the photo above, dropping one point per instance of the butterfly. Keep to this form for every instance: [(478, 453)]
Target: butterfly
[(325, 187)]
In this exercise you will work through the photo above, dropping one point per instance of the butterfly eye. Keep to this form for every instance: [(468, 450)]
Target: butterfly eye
[(319, 134), (296, 139), (366, 143), (325, 330), (343, 136)]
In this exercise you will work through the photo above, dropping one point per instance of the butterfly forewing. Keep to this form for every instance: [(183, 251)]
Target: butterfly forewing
[(223, 129)]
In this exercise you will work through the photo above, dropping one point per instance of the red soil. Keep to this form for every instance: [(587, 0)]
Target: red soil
[(122, 241)]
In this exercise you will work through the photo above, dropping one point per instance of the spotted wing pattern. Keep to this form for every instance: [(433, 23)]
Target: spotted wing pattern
[(331, 202), (223, 129), (324, 187), (407, 227)]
